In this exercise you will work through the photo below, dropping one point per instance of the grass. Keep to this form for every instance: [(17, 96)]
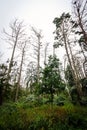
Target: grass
[(19, 116)]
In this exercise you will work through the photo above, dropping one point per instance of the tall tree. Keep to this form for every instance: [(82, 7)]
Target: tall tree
[(37, 47), (51, 79), (80, 13), (80, 22), (23, 50), (62, 27), (63, 31), (14, 38)]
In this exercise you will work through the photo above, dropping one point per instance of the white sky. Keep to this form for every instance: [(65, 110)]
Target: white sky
[(38, 13)]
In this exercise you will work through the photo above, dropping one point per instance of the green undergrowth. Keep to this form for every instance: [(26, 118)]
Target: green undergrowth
[(18, 116)]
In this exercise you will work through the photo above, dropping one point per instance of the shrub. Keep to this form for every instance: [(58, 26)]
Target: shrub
[(15, 116)]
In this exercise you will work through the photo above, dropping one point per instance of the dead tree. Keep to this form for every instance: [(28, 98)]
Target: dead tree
[(14, 38), (23, 50), (80, 18), (80, 13), (45, 52), (37, 48)]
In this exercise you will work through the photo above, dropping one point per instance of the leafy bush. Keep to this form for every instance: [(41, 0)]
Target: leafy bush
[(59, 101)]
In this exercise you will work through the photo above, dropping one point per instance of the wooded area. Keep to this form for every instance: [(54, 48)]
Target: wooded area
[(47, 94)]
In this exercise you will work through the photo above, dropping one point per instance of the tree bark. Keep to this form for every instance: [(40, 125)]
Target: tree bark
[(20, 71), (76, 73)]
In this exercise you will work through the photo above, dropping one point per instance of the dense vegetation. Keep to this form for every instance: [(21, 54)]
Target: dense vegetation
[(35, 116), (50, 96)]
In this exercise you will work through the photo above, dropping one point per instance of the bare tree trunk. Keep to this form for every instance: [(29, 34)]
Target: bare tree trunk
[(11, 61), (66, 48), (45, 57), (73, 69), (80, 12), (38, 59), (76, 73), (38, 50), (20, 71), (67, 89)]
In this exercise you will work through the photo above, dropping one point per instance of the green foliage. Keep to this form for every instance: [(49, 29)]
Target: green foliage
[(59, 100), (62, 24), (58, 21), (51, 79), (74, 95), (84, 82), (5, 87), (14, 116)]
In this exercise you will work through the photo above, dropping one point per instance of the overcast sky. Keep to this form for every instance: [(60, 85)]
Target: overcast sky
[(38, 13)]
